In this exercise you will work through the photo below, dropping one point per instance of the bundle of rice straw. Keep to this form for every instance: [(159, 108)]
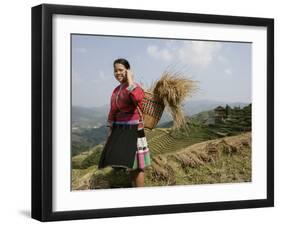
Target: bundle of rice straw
[(173, 88)]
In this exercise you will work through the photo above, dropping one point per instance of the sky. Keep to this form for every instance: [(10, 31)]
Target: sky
[(222, 70)]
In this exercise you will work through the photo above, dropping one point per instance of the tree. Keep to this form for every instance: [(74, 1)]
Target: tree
[(227, 110)]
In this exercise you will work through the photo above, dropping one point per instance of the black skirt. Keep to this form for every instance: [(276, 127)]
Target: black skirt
[(120, 148)]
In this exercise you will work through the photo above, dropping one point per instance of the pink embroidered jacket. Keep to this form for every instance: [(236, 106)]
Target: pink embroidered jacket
[(123, 104)]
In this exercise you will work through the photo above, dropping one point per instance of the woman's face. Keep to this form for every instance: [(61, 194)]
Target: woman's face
[(120, 73)]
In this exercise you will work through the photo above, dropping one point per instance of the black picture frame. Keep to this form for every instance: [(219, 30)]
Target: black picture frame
[(42, 106)]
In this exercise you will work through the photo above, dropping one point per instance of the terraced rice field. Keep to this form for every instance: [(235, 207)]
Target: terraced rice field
[(161, 141)]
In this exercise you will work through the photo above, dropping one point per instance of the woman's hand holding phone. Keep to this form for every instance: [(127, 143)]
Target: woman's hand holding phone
[(129, 76)]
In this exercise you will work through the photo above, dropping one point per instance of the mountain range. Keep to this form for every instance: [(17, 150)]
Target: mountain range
[(94, 117)]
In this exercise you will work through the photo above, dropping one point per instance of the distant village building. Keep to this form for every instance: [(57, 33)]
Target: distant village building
[(220, 114)]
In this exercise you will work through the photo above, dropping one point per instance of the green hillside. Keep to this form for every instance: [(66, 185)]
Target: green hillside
[(223, 160), (203, 127), (198, 129), (84, 139)]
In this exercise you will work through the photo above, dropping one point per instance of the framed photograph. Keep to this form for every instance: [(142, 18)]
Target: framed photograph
[(138, 112)]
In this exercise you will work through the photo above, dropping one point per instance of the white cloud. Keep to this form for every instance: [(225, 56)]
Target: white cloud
[(162, 54), (228, 71), (101, 76), (195, 53), (199, 53), (222, 59)]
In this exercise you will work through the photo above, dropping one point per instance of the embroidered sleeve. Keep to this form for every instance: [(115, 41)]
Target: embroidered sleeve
[(130, 88), (136, 93)]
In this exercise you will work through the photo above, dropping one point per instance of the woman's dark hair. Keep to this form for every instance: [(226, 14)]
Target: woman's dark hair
[(122, 61)]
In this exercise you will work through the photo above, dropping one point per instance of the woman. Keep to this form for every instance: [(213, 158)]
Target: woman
[(126, 145)]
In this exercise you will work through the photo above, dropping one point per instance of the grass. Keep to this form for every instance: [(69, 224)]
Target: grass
[(80, 178), (169, 140), (224, 160), (207, 154), (87, 158)]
